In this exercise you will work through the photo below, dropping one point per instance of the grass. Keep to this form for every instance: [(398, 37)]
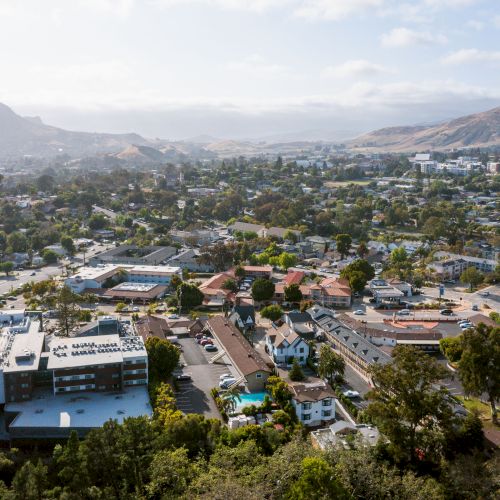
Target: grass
[(483, 410)]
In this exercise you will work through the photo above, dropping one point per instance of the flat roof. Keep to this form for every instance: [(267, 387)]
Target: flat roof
[(97, 350), (134, 287), (82, 410), (20, 350)]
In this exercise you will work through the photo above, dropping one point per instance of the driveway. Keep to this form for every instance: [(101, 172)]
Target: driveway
[(193, 396)]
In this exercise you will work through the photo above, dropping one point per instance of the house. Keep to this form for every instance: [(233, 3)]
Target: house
[(386, 294), (189, 259), (301, 323), (57, 249), (243, 316), (314, 403), (214, 293), (400, 285), (284, 345), (258, 271), (294, 278), (152, 326), (331, 292), (244, 358), (345, 434)]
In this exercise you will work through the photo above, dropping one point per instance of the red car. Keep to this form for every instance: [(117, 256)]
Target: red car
[(206, 342)]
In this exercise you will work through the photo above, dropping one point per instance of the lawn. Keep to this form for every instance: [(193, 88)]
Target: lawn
[(483, 409)]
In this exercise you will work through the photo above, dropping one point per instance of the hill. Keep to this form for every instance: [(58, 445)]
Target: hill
[(30, 136), (477, 130)]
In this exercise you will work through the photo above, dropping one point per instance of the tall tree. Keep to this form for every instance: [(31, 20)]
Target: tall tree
[(330, 363), (163, 357), (479, 367), (408, 406), (293, 293), (67, 309), (343, 242), (262, 289), (472, 276)]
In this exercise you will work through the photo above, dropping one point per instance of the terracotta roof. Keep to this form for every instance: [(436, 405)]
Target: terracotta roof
[(294, 277), (262, 269), (243, 356), (216, 281)]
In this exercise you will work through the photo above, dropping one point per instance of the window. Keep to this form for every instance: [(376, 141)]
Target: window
[(301, 350), (25, 386), (327, 402), (306, 417), (257, 375), (306, 406), (326, 413), (115, 375), (90, 386)]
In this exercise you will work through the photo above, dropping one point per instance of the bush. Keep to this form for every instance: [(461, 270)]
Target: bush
[(296, 374)]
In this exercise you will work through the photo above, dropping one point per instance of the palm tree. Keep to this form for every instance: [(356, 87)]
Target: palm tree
[(231, 396)]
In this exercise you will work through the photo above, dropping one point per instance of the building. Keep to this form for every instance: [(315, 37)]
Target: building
[(284, 345), (92, 278), (357, 351), (314, 403), (134, 255), (258, 271), (214, 293), (196, 237), (252, 369), (453, 265), (189, 259), (100, 363), (345, 434), (385, 294), (135, 292), (152, 326), (400, 285), (261, 231), (243, 316)]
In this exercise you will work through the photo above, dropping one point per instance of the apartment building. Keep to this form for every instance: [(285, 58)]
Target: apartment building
[(314, 403), (284, 345)]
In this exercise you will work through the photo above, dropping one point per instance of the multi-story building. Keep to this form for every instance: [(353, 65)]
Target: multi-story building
[(284, 345), (134, 255), (453, 265), (314, 403)]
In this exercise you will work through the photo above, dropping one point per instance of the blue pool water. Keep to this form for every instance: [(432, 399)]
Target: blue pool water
[(255, 398)]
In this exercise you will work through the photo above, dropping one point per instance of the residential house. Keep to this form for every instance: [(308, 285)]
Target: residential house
[(243, 316), (345, 434), (284, 345), (189, 259), (314, 403), (215, 295)]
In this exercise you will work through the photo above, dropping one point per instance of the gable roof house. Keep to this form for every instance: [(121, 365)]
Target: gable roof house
[(284, 345), (243, 316), (314, 403)]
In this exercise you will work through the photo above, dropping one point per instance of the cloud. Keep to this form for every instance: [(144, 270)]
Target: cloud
[(448, 4), (334, 9), (465, 56), (257, 66), (404, 37), (476, 25), (355, 68), (245, 5)]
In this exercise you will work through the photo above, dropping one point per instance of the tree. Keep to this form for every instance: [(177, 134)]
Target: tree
[(50, 257), (68, 244), (317, 481), (230, 284), (290, 236), (398, 256), (330, 364), (6, 267), (163, 357), (189, 296), (479, 367), (163, 401), (239, 272), (272, 312), (287, 260), (262, 289), (452, 348), (175, 281), (472, 276), (67, 310), (362, 250), (293, 293), (343, 242), (17, 242), (407, 405), (30, 482), (357, 281), (296, 374), (230, 396), (359, 265)]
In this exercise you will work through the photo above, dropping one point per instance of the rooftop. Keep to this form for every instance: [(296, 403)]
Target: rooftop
[(311, 392), (88, 410), (97, 350)]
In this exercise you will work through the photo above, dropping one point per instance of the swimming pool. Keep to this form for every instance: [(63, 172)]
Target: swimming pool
[(255, 398)]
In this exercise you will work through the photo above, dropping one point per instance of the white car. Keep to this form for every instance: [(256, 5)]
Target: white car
[(403, 312), (225, 376), (465, 326), (224, 384), (173, 316), (351, 394), (359, 312), (135, 309)]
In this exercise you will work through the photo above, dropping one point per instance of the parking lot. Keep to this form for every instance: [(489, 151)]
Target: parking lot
[(193, 396)]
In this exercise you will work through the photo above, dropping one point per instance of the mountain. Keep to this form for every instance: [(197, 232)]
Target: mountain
[(477, 130), (30, 136)]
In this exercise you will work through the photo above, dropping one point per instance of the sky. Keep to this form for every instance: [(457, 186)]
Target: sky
[(248, 69)]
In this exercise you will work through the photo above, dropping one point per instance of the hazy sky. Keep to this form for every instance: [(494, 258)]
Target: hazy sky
[(248, 68)]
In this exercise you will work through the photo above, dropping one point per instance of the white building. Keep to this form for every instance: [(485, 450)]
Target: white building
[(284, 345), (314, 403)]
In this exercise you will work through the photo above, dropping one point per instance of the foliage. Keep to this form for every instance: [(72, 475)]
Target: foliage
[(189, 296), (50, 257), (262, 289), (408, 407), (452, 348), (472, 276), (293, 293), (6, 267), (479, 367), (230, 284), (344, 242), (163, 357), (67, 310), (296, 374), (330, 364), (272, 312)]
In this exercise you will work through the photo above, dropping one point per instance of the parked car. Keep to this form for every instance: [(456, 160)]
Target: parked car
[(475, 307), (225, 376), (183, 376), (210, 348), (33, 273), (206, 342), (224, 384), (446, 312), (135, 309), (351, 394), (173, 316), (372, 301), (11, 297), (484, 294), (403, 312), (359, 312)]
